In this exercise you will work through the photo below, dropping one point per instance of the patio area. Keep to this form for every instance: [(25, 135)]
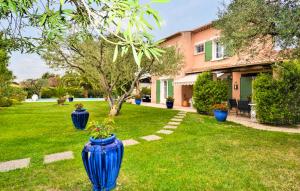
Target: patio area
[(246, 121)]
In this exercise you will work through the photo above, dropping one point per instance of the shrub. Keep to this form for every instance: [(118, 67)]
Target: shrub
[(16, 93), (220, 106), (146, 91), (48, 93), (170, 99), (278, 100), (75, 92), (5, 102), (208, 92)]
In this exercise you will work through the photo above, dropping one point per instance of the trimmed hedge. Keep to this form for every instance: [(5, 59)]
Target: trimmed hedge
[(278, 100), (208, 92)]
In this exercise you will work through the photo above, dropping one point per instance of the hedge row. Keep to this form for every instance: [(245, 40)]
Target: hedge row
[(278, 99)]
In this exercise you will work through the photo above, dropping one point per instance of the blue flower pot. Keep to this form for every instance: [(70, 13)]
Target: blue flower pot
[(169, 104), (80, 118), (138, 101), (220, 115), (71, 99), (102, 159)]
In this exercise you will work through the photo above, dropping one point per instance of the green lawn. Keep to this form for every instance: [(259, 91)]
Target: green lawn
[(202, 154)]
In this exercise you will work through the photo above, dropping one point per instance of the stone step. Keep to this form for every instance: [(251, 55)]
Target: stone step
[(151, 138), (174, 123), (176, 120), (166, 132), (170, 127), (129, 142), (58, 157), (14, 164)]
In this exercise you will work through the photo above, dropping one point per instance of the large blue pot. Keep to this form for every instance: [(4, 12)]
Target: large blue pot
[(220, 115), (80, 118), (138, 101), (102, 159), (71, 99), (169, 104)]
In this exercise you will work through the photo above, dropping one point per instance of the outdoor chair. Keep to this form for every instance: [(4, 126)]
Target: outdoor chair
[(244, 107), (232, 104)]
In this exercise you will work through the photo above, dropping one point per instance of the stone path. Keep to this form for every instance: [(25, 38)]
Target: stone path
[(14, 164), (58, 157), (51, 158)]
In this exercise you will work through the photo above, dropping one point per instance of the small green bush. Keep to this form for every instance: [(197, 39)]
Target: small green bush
[(208, 92), (5, 102), (146, 91), (278, 100)]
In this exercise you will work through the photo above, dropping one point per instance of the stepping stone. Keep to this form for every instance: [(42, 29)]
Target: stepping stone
[(173, 123), (166, 132), (181, 114), (179, 117), (151, 138), (14, 164), (58, 157), (130, 142), (170, 127), (175, 119)]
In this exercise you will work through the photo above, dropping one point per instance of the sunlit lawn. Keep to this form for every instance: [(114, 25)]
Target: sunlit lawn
[(201, 154)]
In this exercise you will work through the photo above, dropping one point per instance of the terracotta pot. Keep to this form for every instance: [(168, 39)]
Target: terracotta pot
[(185, 103)]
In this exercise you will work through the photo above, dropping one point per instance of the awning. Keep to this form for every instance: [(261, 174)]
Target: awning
[(186, 80)]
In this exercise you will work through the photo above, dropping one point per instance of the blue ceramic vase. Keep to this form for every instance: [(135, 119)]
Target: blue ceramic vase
[(80, 118), (138, 101), (169, 104), (220, 115), (102, 160)]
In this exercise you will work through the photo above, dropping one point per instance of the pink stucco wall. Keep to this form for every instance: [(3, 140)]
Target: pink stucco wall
[(185, 42)]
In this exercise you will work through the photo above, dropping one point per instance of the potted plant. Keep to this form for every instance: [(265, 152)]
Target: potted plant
[(170, 102), (61, 100), (102, 155), (71, 98), (80, 116), (220, 111), (138, 99)]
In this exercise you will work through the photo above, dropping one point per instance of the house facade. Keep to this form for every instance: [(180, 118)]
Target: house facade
[(202, 52)]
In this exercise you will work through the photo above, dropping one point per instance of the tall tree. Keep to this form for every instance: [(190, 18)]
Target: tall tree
[(95, 60), (243, 22)]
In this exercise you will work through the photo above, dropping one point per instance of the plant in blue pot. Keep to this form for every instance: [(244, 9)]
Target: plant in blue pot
[(80, 116), (169, 102), (138, 99), (102, 155), (220, 111)]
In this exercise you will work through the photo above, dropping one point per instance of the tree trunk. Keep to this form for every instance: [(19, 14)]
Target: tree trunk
[(115, 108), (85, 93)]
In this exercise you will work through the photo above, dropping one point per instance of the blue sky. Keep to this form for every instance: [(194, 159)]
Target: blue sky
[(177, 15)]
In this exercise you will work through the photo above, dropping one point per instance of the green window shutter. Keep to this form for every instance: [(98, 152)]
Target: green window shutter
[(208, 50), (157, 91), (245, 88), (170, 88)]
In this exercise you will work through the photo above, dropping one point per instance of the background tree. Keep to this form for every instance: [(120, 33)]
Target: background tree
[(243, 22), (33, 86), (97, 61), (6, 76)]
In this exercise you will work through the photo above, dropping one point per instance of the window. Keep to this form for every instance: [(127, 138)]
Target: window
[(218, 50), (199, 48)]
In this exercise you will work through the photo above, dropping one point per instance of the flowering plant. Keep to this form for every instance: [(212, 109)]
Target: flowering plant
[(79, 106), (138, 96), (101, 130), (220, 106)]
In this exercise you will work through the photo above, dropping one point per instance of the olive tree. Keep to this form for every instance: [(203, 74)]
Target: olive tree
[(115, 76)]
